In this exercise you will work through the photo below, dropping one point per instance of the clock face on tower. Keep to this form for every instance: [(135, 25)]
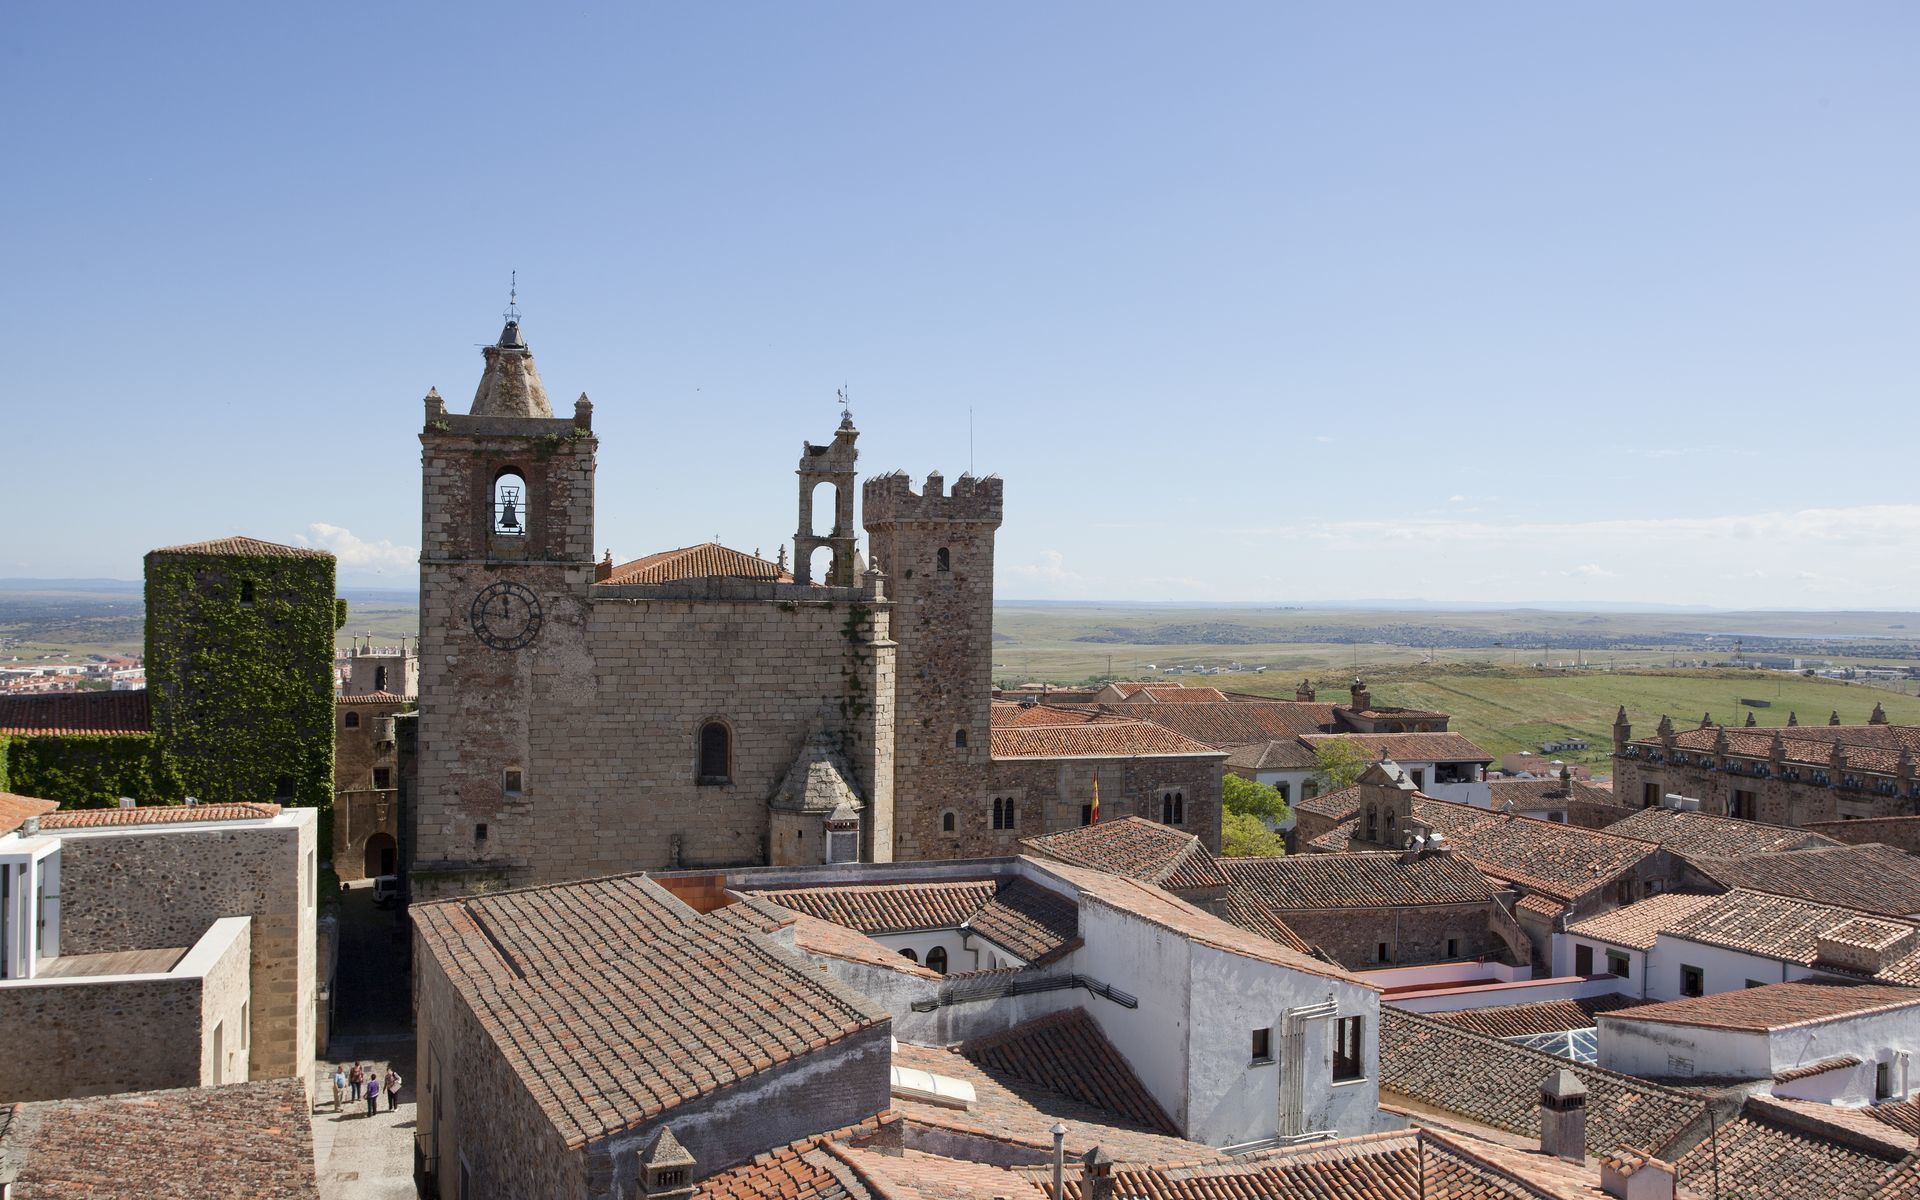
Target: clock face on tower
[(506, 616)]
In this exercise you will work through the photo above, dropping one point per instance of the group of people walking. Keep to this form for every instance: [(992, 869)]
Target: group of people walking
[(365, 1081)]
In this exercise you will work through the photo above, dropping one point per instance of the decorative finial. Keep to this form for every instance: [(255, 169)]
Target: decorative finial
[(846, 408), (513, 297)]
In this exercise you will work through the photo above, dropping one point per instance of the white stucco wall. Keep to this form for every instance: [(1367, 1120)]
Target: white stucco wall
[(1723, 970), (1650, 1048), (1151, 964), (1564, 953)]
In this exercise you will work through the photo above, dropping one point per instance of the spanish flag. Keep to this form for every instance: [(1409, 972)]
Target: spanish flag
[(1096, 801)]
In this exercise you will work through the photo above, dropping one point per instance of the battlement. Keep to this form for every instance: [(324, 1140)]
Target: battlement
[(887, 499), (441, 422)]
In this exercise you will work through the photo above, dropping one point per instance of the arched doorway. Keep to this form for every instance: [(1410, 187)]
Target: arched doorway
[(383, 856)]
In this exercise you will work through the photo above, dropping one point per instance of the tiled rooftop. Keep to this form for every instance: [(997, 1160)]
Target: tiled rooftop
[(1065, 1052), (1377, 880), (1872, 878), (684, 1007), (695, 562), (1529, 794), (14, 809), (76, 712), (246, 546), (1280, 754), (1556, 860), (375, 698), (1095, 739), (241, 1141), (1408, 747), (1035, 923), (1248, 913), (1236, 723), (1781, 928), (1693, 833), (1498, 1083), (1758, 1156), (1637, 925), (1776, 1006), (1007, 715), (1545, 1016), (1136, 848), (156, 814)]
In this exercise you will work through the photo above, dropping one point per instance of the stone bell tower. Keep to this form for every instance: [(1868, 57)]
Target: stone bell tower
[(830, 464), (506, 558)]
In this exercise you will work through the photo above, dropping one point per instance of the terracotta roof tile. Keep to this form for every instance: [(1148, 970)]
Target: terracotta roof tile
[(1248, 913), (1637, 925), (1498, 1083), (1235, 723), (76, 712), (812, 935), (1560, 861), (1872, 878), (888, 907), (1839, 1062), (1692, 833), (1377, 880), (1137, 848), (1526, 1020), (15, 809), (1035, 923), (1095, 739), (1065, 1052), (802, 1170), (682, 1007), (241, 1141), (1289, 754), (1176, 693), (1408, 747), (1780, 928), (1005, 715), (1752, 1159), (695, 562), (244, 546), (1776, 1006), (1550, 793), (156, 814), (375, 698)]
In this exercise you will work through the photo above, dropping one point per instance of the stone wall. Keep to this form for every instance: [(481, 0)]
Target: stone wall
[(1353, 936), (159, 886), (361, 808), (937, 551), (101, 1035), (475, 1107), (1900, 832), (1777, 801), (1051, 792)]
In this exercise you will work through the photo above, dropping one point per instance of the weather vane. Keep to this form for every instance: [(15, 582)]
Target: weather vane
[(513, 297), (846, 410)]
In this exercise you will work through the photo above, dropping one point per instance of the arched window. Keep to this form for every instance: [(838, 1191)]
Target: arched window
[(1173, 808), (909, 955), (509, 504), (1003, 812), (716, 752), (1373, 824), (353, 720), (960, 739), (937, 959), (942, 561), (1389, 827), (946, 822)]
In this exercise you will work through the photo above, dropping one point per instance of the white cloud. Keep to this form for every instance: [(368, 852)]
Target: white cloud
[(1456, 499), (1587, 571), (357, 554), (1050, 568), (1322, 438)]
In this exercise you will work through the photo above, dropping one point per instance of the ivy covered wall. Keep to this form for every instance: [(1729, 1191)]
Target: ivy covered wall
[(240, 671), (86, 771)]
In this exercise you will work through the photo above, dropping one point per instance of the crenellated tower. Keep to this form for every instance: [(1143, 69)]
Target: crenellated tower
[(936, 548)]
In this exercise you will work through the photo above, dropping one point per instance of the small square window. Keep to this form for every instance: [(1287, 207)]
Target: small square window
[(510, 781), (1348, 1053), (480, 832), (1693, 981), (1453, 947), (1619, 964), (1380, 953), (382, 778), (1263, 1045)]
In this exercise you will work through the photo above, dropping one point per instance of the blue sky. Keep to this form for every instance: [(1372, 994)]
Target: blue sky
[(1248, 302)]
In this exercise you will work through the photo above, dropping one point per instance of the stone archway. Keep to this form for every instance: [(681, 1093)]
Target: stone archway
[(383, 855)]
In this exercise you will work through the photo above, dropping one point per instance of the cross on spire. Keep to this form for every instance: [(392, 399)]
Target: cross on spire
[(513, 297)]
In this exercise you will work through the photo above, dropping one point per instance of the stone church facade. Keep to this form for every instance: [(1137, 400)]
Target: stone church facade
[(700, 707)]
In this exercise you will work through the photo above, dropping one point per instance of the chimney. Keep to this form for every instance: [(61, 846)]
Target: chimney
[(1630, 1174), (1879, 715), (30, 827), (1861, 945), (129, 802), (666, 1169), (1362, 698), (1304, 693), (1563, 1116), (1096, 1175)]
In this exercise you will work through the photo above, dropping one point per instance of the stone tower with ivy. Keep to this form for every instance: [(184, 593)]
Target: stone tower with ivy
[(239, 662), (506, 558), (936, 548)]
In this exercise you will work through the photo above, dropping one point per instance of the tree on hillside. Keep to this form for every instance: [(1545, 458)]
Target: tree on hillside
[(1341, 762), (1243, 835)]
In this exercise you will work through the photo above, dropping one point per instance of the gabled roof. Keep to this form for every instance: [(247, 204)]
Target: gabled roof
[(1006, 714), (1548, 793), (1367, 880), (1776, 1006), (1766, 1152), (1556, 860), (76, 712), (1281, 754), (1693, 833), (1872, 878), (240, 1141), (1033, 923), (1171, 693), (1637, 925), (695, 562), (244, 547), (1065, 1052), (1498, 1083), (1783, 929), (15, 809), (1136, 848), (1407, 747), (682, 1007), (1544, 1016), (1097, 739), (1237, 722)]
